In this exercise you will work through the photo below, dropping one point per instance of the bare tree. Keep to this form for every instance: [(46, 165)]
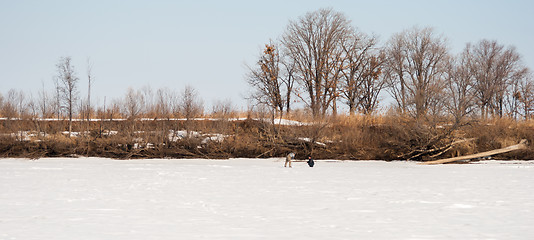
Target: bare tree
[(166, 103), (191, 106), (9, 108), (361, 82), (22, 104), (133, 103), (44, 102), (148, 104), (512, 98), (460, 100), (288, 79), (525, 95), (495, 67), (14, 107), (115, 109), (90, 80), (132, 107), (416, 64), (34, 108), (57, 98), (266, 81), (222, 109), (68, 86), (395, 72), (1, 103), (373, 82), (313, 45)]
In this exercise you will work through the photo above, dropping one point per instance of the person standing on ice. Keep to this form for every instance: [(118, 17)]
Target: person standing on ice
[(310, 161), (289, 157)]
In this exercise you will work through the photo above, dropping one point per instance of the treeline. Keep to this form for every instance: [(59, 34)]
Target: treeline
[(322, 60), (65, 102)]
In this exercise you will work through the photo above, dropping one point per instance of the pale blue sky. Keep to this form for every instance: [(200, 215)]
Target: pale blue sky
[(206, 43)]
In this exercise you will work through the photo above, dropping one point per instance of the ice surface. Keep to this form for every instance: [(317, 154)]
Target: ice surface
[(92, 198)]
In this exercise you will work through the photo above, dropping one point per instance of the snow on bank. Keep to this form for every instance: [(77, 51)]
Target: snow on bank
[(309, 140), (92, 198), (278, 121)]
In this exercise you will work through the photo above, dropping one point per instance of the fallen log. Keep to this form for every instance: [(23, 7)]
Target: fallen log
[(521, 145), (265, 152), (439, 150)]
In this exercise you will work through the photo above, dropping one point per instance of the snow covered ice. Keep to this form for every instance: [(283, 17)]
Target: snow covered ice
[(93, 198)]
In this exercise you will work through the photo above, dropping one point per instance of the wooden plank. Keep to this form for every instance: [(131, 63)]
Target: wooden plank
[(521, 145)]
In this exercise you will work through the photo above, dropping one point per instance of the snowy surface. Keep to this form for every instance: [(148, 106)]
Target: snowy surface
[(276, 120), (91, 198)]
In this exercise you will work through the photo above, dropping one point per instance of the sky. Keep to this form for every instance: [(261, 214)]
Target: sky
[(207, 44)]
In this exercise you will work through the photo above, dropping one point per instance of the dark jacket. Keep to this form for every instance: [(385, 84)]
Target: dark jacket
[(311, 162)]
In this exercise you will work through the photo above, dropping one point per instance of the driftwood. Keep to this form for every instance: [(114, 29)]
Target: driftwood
[(265, 152), (437, 151), (521, 145)]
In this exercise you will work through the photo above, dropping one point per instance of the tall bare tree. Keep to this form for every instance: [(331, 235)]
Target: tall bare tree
[(361, 82), (90, 80), (266, 81), (525, 96), (417, 61), (495, 67), (512, 98), (373, 82), (395, 71), (288, 80), (57, 109), (460, 100), (68, 86), (313, 45)]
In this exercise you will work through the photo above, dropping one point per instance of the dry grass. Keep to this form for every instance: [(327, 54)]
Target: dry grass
[(343, 137)]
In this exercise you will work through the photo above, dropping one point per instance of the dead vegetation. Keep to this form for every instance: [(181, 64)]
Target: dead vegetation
[(343, 137)]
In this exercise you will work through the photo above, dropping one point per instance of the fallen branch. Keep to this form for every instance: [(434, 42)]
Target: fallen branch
[(265, 152), (521, 145), (440, 150), (447, 148)]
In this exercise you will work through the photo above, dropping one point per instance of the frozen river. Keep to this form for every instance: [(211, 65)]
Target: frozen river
[(92, 198)]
